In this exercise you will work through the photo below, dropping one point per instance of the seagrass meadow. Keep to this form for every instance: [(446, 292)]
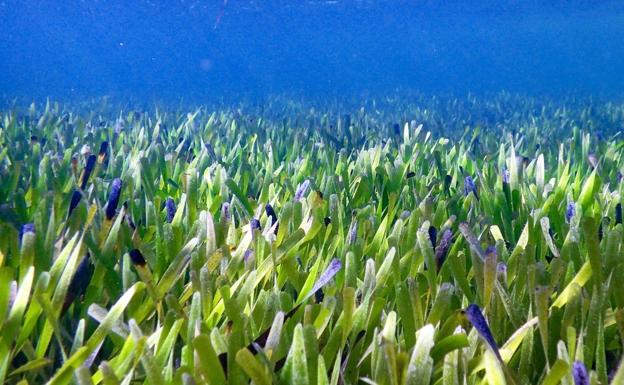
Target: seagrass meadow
[(420, 240)]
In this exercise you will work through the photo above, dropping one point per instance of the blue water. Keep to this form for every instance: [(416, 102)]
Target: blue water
[(199, 50)]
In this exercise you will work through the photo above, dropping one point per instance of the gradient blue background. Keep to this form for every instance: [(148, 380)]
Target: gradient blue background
[(170, 50)]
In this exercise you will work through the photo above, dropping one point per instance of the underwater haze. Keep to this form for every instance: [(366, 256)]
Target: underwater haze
[(199, 50), (298, 192)]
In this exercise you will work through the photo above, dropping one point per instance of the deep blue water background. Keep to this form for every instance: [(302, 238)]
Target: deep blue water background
[(171, 50)]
